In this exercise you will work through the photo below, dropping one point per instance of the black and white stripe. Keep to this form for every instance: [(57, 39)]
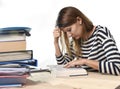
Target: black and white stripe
[(101, 47)]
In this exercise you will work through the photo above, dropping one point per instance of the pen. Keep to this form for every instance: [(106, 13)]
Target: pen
[(77, 75), (39, 70)]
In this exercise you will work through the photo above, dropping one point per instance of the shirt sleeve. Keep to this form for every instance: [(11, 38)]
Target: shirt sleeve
[(112, 63), (65, 58)]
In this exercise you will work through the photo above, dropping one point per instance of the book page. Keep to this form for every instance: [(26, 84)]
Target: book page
[(13, 71)]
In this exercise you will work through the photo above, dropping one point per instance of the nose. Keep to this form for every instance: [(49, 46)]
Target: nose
[(69, 34)]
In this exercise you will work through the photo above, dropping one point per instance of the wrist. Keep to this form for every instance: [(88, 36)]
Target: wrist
[(85, 61), (55, 40)]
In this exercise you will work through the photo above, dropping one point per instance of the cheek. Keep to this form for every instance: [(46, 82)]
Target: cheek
[(80, 32), (77, 32)]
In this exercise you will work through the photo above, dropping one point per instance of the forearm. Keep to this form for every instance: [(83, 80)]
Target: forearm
[(62, 58), (92, 63), (110, 67), (57, 34), (113, 67), (57, 49)]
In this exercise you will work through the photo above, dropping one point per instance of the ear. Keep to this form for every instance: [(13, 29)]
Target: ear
[(79, 20)]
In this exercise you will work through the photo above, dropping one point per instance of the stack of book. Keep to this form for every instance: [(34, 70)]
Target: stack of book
[(13, 38), (13, 52), (13, 46), (13, 77)]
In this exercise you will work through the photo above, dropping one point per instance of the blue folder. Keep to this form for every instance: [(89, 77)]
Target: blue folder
[(11, 30), (27, 62)]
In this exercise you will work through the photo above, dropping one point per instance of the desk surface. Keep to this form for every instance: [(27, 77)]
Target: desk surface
[(45, 80)]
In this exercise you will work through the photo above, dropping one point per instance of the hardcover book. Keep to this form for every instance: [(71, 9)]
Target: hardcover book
[(12, 46), (12, 37), (16, 55)]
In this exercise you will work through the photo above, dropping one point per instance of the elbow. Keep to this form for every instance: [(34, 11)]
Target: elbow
[(109, 68)]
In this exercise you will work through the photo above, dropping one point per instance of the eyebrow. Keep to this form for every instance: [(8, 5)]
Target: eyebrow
[(66, 29)]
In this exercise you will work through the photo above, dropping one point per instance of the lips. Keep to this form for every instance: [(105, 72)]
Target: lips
[(77, 37)]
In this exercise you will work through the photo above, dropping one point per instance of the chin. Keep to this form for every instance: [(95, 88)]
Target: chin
[(77, 38)]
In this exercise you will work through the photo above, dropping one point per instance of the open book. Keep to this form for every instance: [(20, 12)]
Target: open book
[(60, 71)]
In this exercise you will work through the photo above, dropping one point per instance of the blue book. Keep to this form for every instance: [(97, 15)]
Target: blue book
[(12, 30), (10, 85), (26, 62)]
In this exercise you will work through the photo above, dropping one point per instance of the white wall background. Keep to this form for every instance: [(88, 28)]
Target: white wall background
[(41, 16)]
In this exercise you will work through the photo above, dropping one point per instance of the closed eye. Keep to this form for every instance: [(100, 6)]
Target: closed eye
[(69, 30)]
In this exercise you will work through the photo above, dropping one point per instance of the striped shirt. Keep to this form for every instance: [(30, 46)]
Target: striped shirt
[(100, 46)]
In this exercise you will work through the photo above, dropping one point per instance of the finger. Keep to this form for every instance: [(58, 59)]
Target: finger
[(65, 66), (56, 31), (68, 65)]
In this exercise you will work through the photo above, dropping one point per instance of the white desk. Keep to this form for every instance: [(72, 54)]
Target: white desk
[(46, 80)]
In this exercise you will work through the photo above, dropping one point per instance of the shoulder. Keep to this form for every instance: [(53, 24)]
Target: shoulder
[(103, 32)]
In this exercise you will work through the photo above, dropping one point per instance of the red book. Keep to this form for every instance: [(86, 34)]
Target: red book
[(13, 79)]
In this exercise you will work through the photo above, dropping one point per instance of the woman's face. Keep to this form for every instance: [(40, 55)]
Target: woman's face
[(74, 30)]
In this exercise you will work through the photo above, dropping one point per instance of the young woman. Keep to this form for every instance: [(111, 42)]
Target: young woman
[(84, 44)]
